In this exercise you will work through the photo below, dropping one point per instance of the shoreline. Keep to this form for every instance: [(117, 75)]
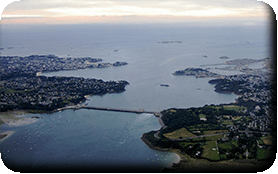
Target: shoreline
[(19, 122), (5, 135), (177, 160), (172, 164)]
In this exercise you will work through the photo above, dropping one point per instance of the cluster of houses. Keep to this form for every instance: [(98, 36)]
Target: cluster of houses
[(52, 92), (49, 63), (22, 88)]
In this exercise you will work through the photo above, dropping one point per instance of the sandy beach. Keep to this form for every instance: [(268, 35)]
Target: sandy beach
[(5, 135), (19, 122), (176, 160), (16, 118)]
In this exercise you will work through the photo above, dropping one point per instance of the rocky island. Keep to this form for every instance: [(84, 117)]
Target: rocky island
[(197, 72), (22, 88), (170, 42)]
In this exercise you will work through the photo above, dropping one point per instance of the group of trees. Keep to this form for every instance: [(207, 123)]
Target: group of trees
[(178, 118), (229, 86)]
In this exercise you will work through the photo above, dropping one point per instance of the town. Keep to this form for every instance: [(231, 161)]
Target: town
[(12, 66), (21, 86), (255, 88)]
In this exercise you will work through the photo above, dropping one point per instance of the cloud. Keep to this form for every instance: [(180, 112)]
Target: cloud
[(174, 8), (21, 16)]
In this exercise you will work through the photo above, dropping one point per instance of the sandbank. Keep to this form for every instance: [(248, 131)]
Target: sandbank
[(176, 161), (5, 135), (19, 122)]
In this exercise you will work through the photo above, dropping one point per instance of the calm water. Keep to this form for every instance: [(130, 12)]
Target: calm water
[(96, 138), (78, 139)]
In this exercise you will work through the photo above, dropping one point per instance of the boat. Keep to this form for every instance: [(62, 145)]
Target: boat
[(165, 85)]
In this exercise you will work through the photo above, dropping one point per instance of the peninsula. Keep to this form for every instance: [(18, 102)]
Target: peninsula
[(239, 137), (12, 66), (197, 72), (21, 86)]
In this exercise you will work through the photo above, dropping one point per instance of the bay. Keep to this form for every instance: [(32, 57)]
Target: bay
[(75, 140), (109, 140)]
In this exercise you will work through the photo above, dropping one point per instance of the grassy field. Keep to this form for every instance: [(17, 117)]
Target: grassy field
[(234, 107), (214, 131), (208, 151), (226, 146), (263, 153), (227, 122), (215, 137), (267, 140), (179, 133), (194, 165), (202, 116)]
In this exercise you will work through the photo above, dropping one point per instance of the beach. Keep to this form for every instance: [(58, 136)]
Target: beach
[(176, 161), (20, 122), (15, 123), (5, 135), (16, 118)]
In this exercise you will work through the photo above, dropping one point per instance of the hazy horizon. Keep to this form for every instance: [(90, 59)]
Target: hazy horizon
[(198, 12)]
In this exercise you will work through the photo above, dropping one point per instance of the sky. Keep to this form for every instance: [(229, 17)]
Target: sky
[(248, 12)]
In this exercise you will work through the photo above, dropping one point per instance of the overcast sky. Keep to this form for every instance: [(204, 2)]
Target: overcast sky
[(82, 11)]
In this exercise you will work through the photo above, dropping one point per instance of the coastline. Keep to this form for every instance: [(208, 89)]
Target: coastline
[(176, 161), (5, 135), (19, 122), (172, 164)]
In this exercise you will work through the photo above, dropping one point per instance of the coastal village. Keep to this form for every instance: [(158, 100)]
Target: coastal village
[(21, 86), (225, 134), (12, 66), (212, 134)]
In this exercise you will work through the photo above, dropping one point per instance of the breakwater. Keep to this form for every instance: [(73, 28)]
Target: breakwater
[(140, 111)]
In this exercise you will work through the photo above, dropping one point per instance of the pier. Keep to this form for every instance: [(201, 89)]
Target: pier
[(140, 111)]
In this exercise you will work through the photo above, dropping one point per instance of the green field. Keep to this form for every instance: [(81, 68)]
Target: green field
[(210, 151), (263, 153), (234, 107), (179, 133), (202, 116), (226, 146), (214, 131), (267, 140)]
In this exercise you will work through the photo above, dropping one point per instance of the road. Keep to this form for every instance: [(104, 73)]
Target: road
[(140, 111)]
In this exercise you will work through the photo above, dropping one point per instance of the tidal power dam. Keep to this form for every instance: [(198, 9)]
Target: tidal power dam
[(140, 111)]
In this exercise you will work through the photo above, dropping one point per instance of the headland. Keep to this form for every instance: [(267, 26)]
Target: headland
[(23, 87), (238, 137)]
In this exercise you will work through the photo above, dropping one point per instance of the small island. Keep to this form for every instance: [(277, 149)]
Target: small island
[(171, 42), (5, 135), (224, 57), (197, 72)]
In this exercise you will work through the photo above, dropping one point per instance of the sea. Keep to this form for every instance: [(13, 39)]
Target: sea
[(104, 140)]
